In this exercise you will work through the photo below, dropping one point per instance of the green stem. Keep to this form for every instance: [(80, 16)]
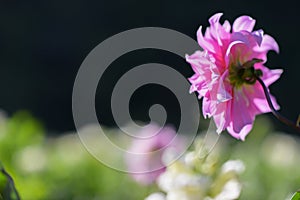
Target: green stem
[(10, 180)]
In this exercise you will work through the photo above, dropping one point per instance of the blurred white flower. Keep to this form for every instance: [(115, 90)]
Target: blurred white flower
[(31, 159), (231, 190), (183, 195), (233, 165), (170, 181), (280, 150), (156, 196), (69, 149), (190, 158), (194, 178)]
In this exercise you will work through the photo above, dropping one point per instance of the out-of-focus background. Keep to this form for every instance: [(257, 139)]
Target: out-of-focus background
[(42, 45), (60, 168)]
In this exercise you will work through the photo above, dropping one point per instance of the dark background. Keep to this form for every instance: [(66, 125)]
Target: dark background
[(43, 43)]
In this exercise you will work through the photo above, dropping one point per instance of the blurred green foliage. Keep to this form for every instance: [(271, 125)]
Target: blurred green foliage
[(60, 168), (272, 162)]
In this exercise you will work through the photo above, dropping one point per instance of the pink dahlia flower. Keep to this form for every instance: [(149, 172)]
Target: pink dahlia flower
[(149, 147), (226, 71)]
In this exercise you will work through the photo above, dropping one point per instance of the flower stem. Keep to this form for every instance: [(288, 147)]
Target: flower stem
[(11, 182), (274, 111)]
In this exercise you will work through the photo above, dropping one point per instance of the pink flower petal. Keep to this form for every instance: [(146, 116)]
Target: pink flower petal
[(223, 92), (258, 36), (270, 76), (217, 32), (241, 112), (243, 23), (202, 41), (268, 43), (263, 105), (226, 26), (257, 95), (241, 135), (199, 61), (199, 85), (222, 116), (241, 37), (206, 105), (215, 18), (216, 28)]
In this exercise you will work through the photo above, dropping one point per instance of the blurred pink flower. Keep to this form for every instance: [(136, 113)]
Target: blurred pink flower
[(149, 146), (224, 73)]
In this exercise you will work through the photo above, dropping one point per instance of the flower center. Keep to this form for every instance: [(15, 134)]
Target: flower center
[(245, 73)]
